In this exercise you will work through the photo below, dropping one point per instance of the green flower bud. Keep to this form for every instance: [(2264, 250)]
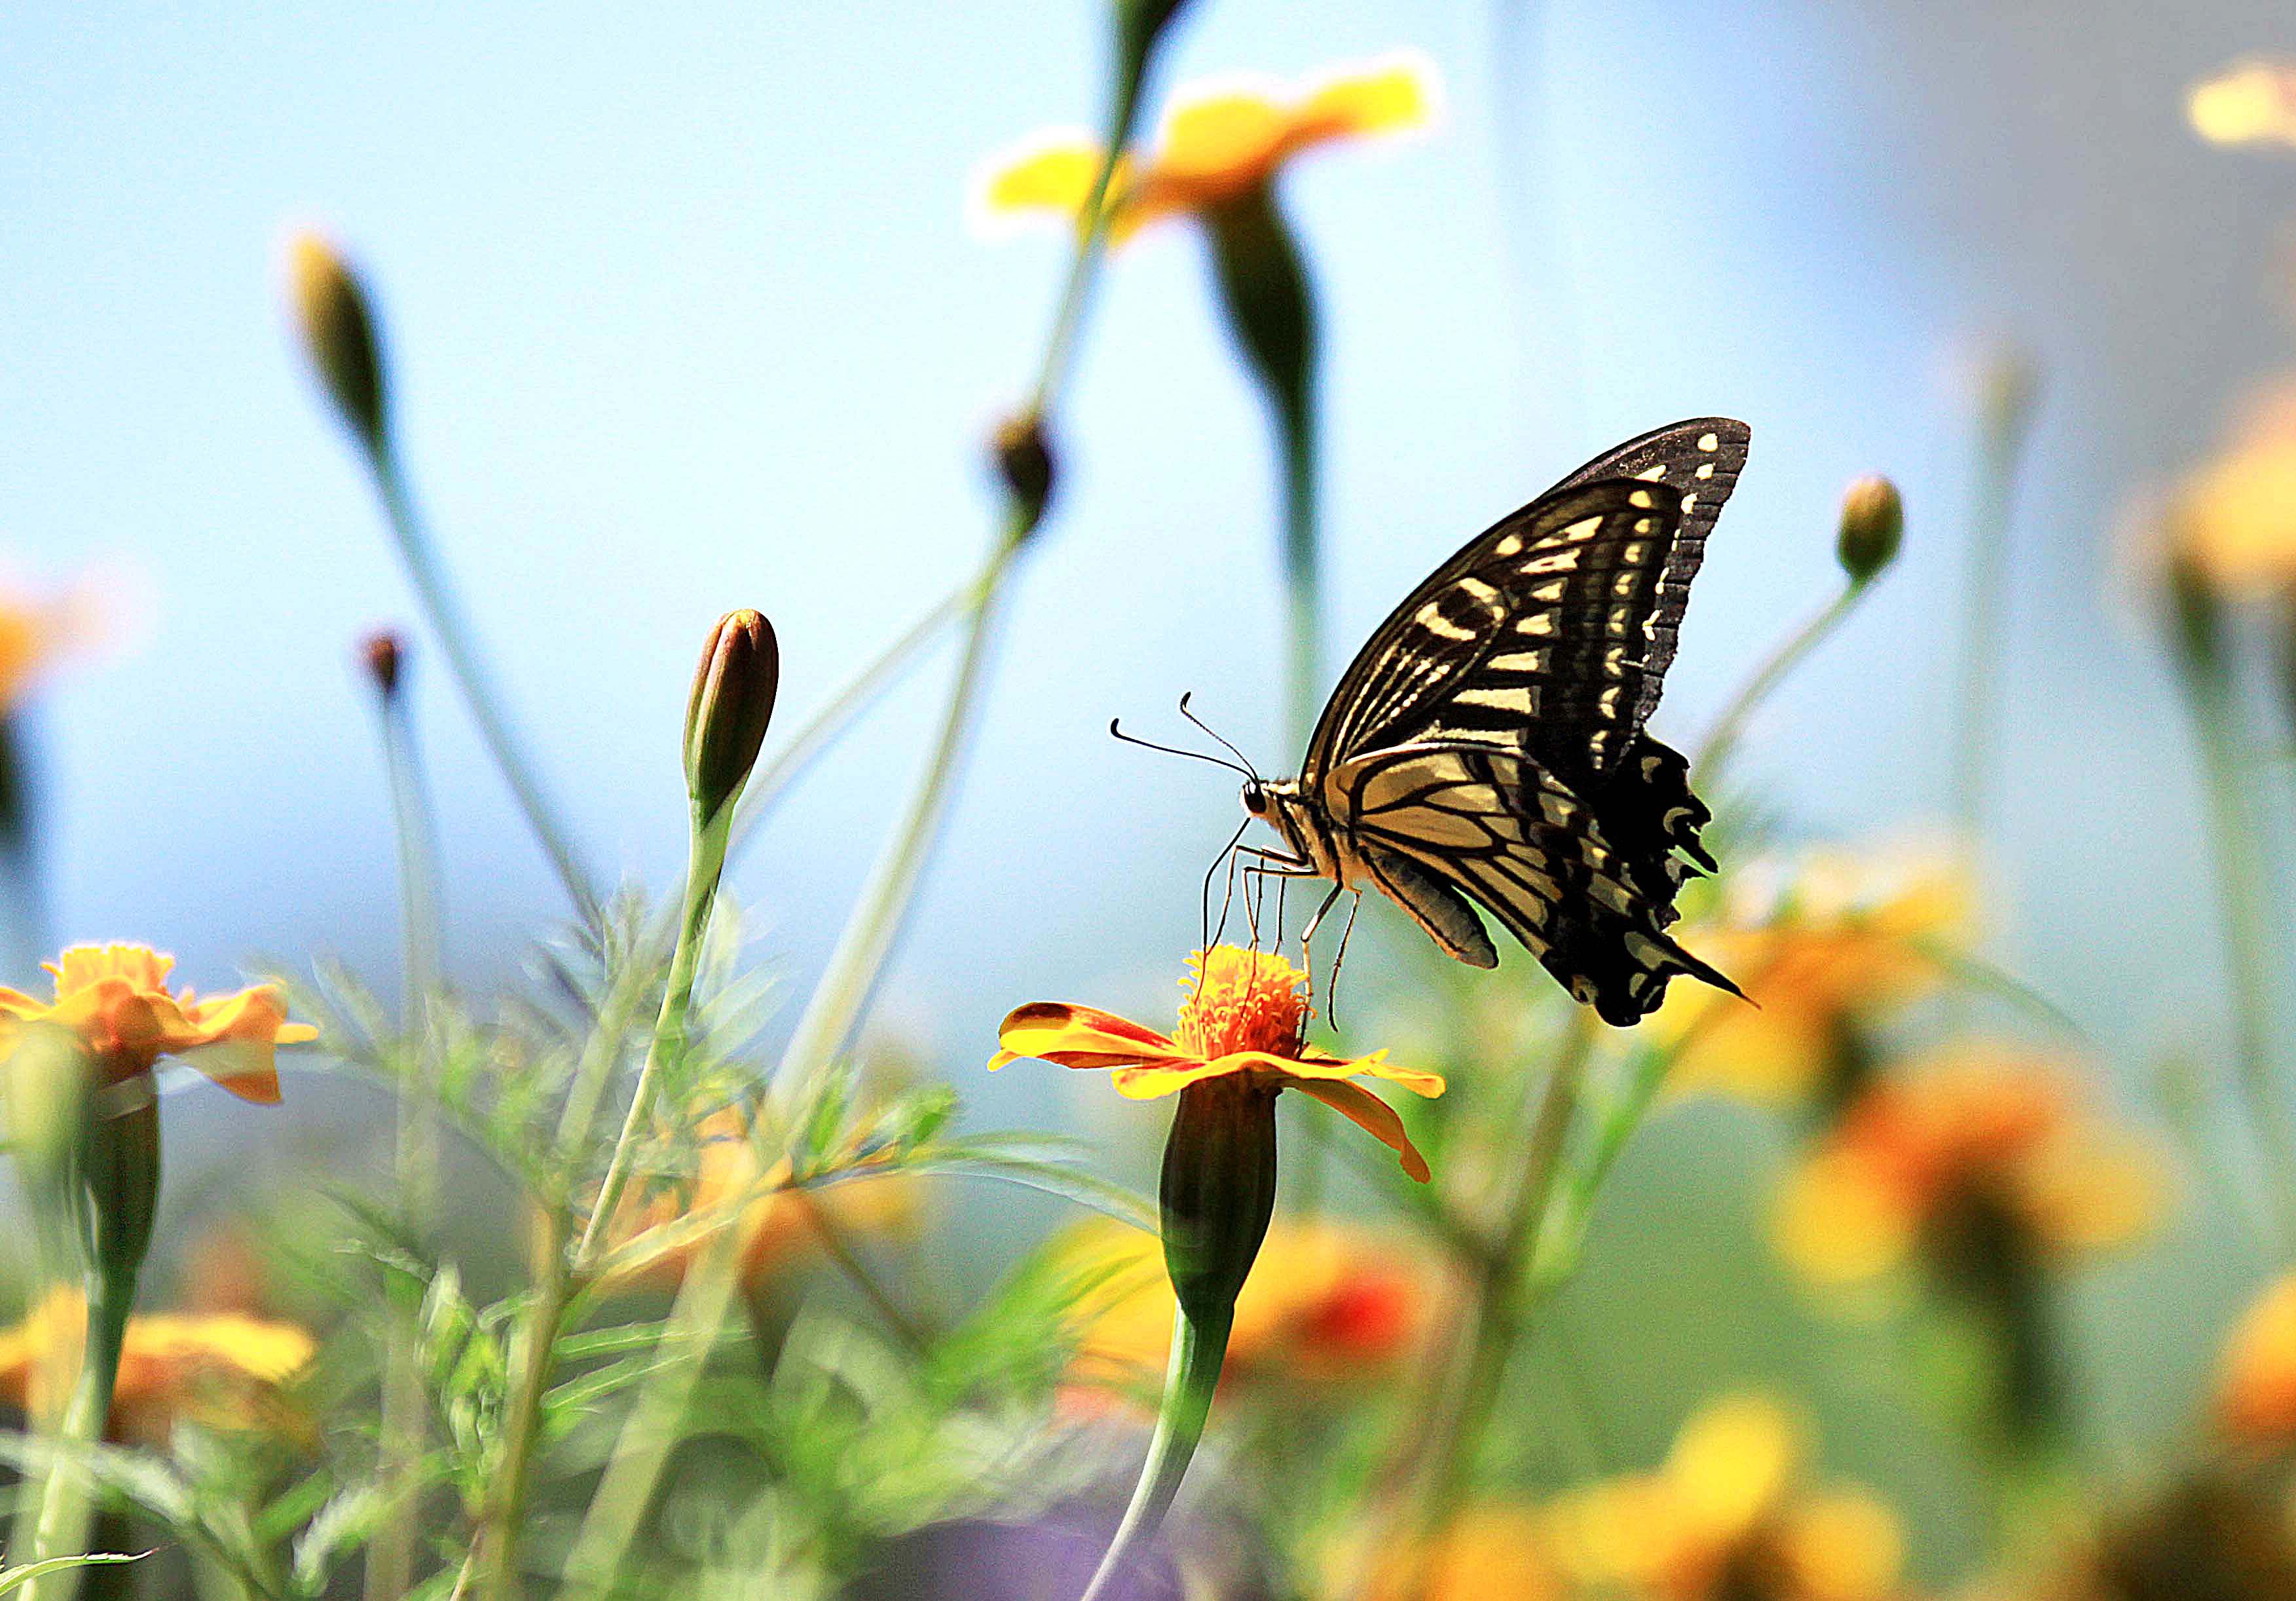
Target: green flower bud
[(732, 704), (1218, 1191), (2196, 618), (1873, 527), (1024, 461), (123, 1179), (331, 311)]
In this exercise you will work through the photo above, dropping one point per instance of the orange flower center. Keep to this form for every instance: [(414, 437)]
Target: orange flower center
[(1242, 1000)]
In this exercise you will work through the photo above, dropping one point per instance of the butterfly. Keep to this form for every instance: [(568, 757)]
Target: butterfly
[(1486, 743)]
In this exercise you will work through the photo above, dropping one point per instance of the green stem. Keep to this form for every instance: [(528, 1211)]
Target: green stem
[(390, 1561), (2242, 885), (436, 592), (1199, 1347), (493, 1559), (1978, 696), (61, 1528), (1722, 739)]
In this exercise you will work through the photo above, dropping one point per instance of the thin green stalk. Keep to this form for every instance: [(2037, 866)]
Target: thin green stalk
[(459, 644), (390, 1559), (492, 1561), (2235, 833), (2007, 410), (1199, 1347), (61, 1527), (1722, 739)]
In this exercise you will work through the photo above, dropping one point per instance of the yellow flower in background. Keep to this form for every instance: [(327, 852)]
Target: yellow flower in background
[(1491, 1552), (1246, 1014), (1219, 142), (778, 1227), (116, 999), (1728, 1518), (2232, 522), (1972, 1132), (37, 631), (1325, 1303), (219, 1372), (2256, 1383), (1825, 945), (2251, 102)]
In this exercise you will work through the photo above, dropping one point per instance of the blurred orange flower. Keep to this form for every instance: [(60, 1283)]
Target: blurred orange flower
[(1825, 945), (2232, 522), (115, 998), (1219, 142), (1323, 1303), (2251, 102), (1246, 1014), (1727, 1518), (2256, 1386), (1975, 1127), (1491, 1552), (220, 1372), (778, 1226), (37, 630)]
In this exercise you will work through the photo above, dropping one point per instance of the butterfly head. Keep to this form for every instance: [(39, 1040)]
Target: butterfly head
[(1255, 797)]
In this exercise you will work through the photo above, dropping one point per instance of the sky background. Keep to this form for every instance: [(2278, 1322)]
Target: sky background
[(685, 314)]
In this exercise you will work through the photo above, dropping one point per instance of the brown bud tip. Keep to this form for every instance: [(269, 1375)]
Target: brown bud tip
[(384, 654), (1024, 461), (1873, 527), (338, 332), (732, 704)]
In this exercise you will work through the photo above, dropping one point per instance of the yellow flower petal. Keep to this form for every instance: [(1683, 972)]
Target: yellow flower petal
[(2252, 102), (1731, 1463), (1839, 1221), (1373, 1115), (1376, 100), (1844, 1546)]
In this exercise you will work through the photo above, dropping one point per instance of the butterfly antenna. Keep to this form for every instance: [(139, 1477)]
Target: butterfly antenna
[(1134, 739), (1249, 771)]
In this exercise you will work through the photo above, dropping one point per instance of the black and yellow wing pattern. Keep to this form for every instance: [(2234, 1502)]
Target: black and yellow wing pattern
[(1487, 742)]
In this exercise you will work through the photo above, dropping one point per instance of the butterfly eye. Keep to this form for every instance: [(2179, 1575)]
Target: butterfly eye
[(1255, 799)]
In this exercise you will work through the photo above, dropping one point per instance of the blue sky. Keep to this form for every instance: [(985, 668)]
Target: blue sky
[(685, 315)]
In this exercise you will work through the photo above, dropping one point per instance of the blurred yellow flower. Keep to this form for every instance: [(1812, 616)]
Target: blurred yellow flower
[(1323, 1303), (1970, 1130), (220, 1372), (1491, 1552), (37, 630), (2232, 522), (2251, 102), (777, 1226), (1247, 1014), (1218, 143), (115, 998), (1826, 944), (1728, 1518), (2256, 1384)]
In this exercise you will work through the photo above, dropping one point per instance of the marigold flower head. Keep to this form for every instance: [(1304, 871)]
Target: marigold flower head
[(1219, 142), (115, 998), (1824, 944), (2256, 1384), (1726, 1516), (1246, 1014), (1324, 1304), (2232, 524), (2251, 102), (220, 1372), (1973, 1125)]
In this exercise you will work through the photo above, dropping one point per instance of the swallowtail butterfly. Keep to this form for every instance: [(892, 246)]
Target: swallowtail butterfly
[(1486, 743)]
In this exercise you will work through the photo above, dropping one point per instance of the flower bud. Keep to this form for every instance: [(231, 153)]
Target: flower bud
[(330, 312), (1218, 1191), (1138, 25), (384, 654), (733, 701), (2195, 616), (1872, 526), (1024, 461), (123, 1179)]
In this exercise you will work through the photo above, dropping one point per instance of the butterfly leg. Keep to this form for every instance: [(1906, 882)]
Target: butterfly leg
[(1267, 864)]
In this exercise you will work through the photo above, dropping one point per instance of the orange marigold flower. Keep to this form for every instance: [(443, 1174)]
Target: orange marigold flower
[(1246, 1014), (778, 1226), (1827, 946), (1728, 1516), (1322, 1303), (1491, 1552), (115, 998), (1219, 142), (1976, 1126), (2256, 1386), (2251, 102), (220, 1372)]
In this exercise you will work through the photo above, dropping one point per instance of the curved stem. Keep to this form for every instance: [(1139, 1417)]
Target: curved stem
[(61, 1528), (1199, 1347), (1722, 739), (459, 645)]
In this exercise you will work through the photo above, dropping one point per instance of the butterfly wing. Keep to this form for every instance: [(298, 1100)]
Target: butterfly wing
[(1590, 895)]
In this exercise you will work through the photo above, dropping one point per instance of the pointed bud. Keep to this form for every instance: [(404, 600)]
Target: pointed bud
[(384, 655), (1139, 24), (1024, 461), (337, 331), (733, 701), (1218, 1191), (1872, 526)]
